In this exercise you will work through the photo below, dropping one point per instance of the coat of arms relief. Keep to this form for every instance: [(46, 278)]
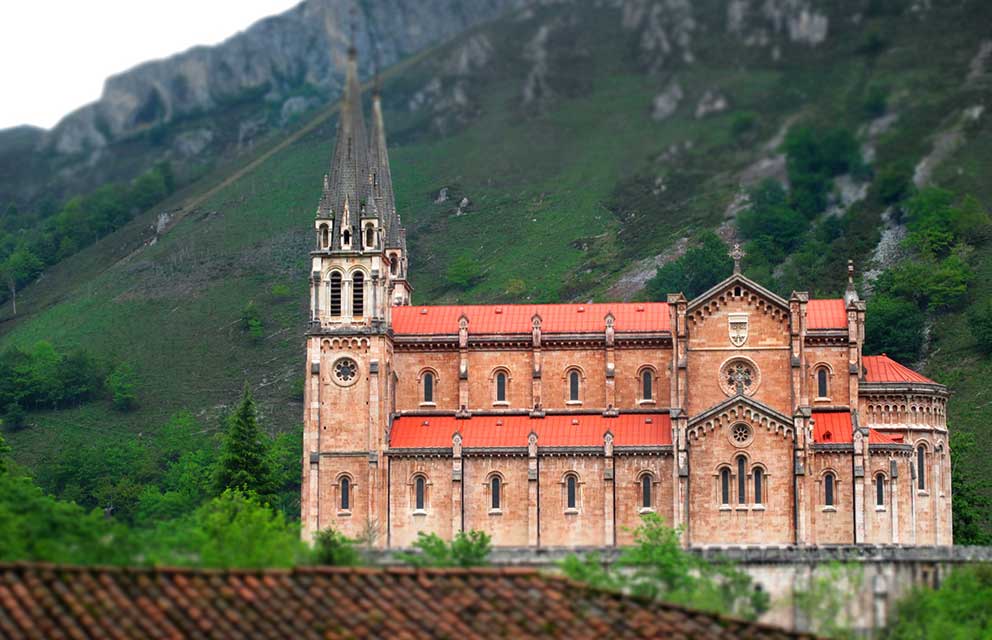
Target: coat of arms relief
[(737, 323)]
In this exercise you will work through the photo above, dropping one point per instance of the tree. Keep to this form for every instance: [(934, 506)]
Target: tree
[(244, 461), (971, 504), (657, 567), (895, 327), (465, 550), (235, 529), (122, 384), (826, 603), (980, 324), (4, 454), (19, 267), (251, 322), (333, 548), (701, 267), (958, 609)]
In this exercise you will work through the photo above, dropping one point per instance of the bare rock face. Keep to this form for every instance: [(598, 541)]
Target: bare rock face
[(712, 101), (305, 45), (666, 102)]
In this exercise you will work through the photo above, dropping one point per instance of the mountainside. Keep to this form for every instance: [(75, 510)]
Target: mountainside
[(563, 152), (258, 80)]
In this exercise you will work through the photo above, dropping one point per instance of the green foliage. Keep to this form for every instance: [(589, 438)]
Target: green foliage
[(743, 125), (244, 462), (251, 322), (972, 508), (122, 384), (894, 182), (874, 104), (656, 566), (45, 378), (702, 266), (895, 327), (771, 224), (17, 269), (826, 602), (980, 325), (937, 223), (235, 529), (4, 455), (958, 609), (281, 291), (37, 527), (333, 548), (465, 550), (14, 417), (813, 157), (463, 272)]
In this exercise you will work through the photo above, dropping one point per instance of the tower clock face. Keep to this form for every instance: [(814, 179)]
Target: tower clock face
[(345, 371)]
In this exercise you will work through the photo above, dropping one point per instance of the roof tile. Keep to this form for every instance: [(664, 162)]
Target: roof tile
[(629, 429), (634, 317), (884, 369), (826, 314)]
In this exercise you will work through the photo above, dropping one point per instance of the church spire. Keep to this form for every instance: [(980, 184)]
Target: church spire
[(346, 190), (380, 176)]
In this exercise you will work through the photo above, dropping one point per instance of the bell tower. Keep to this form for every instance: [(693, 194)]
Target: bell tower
[(358, 272)]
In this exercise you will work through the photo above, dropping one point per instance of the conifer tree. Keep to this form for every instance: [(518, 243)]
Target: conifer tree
[(244, 462)]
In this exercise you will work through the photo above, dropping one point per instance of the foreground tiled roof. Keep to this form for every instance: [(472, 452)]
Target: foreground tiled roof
[(836, 427), (632, 429), (884, 369), (826, 314), (40, 601), (639, 317)]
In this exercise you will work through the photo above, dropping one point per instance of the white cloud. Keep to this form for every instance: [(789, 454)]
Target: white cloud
[(55, 54)]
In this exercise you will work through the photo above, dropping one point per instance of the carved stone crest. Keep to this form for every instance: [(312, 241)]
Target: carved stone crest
[(737, 324)]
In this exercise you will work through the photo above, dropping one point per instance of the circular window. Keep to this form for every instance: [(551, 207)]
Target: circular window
[(739, 377), (345, 371), (741, 435)]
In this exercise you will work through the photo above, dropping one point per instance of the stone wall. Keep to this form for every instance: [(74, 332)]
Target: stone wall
[(877, 576)]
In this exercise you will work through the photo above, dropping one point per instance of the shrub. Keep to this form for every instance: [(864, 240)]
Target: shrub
[(701, 267), (874, 104), (463, 272), (894, 182), (251, 322), (333, 548), (122, 385), (958, 609), (465, 550), (743, 124), (980, 324)]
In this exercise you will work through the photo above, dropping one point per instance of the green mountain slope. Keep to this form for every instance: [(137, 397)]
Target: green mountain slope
[(589, 144)]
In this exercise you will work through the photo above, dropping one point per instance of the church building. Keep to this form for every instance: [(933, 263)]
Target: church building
[(742, 417)]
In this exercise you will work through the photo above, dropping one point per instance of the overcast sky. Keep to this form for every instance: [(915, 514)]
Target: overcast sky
[(55, 54)]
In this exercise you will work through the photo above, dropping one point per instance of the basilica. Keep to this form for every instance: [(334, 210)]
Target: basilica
[(739, 416)]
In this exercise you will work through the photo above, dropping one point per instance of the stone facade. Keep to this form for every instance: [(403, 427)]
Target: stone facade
[(739, 416)]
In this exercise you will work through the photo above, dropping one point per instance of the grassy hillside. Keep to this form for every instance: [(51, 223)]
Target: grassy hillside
[(573, 187)]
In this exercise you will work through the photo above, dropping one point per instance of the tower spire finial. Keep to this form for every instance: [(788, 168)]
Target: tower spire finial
[(737, 254), (851, 293), (352, 30)]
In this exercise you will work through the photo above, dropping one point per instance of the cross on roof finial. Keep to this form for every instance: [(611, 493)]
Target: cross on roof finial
[(737, 254)]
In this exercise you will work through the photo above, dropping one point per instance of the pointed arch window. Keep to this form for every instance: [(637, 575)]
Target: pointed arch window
[(393, 264), (336, 293), (725, 486), (828, 489), (822, 378), (921, 474), (358, 294), (345, 493), (647, 385), (500, 386), (324, 236), (574, 385), (369, 236), (647, 480), (879, 490), (346, 238), (495, 488)]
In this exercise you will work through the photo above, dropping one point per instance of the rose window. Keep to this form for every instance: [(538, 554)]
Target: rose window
[(739, 377), (345, 371), (740, 435)]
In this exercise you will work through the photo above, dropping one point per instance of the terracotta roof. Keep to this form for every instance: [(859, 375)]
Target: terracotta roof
[(641, 317), (630, 429), (884, 369), (880, 437), (832, 427), (44, 601), (826, 314)]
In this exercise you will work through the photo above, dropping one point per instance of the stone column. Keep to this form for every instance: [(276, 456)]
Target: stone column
[(610, 379), (803, 504), (609, 488), (533, 493), (894, 499), (463, 398), (374, 443), (456, 483), (680, 473), (536, 398), (858, 483)]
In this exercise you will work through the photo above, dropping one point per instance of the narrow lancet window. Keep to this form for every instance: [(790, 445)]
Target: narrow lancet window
[(345, 494), (500, 387), (419, 488), (646, 491), (573, 386), (921, 474), (335, 294), (647, 385), (358, 294), (759, 480), (428, 387), (821, 382), (741, 479), (879, 491), (571, 490), (828, 490), (494, 488), (725, 486)]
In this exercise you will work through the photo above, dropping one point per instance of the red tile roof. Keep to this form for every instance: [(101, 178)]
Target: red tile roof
[(826, 314), (629, 429), (832, 427), (640, 317), (880, 437), (884, 369), (44, 601)]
